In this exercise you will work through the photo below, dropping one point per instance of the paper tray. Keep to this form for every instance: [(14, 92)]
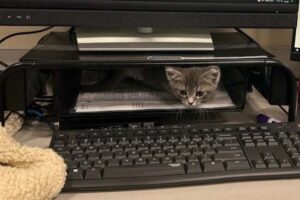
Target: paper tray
[(142, 99)]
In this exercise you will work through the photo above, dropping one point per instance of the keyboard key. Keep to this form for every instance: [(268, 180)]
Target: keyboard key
[(130, 147), (90, 149), (161, 140), (264, 128), (85, 164), (185, 138), (85, 142), (79, 157), (173, 139), (215, 144), (136, 140), (93, 156), (148, 125), (230, 142), (180, 145), (205, 158), (104, 148), (61, 136), (163, 132), (184, 152), (179, 159), (155, 146), (73, 164), (192, 144), (127, 161), (140, 161), (134, 126), (140, 133), (113, 162), (75, 174), (111, 141), (146, 153), (167, 145), (107, 155), (267, 155), (271, 163), (204, 144), (59, 143), (208, 150), (98, 142), (237, 165), (77, 150), (92, 173), (271, 142), (259, 164), (120, 155), (228, 129), (99, 163), (172, 152), (154, 160), (143, 171), (284, 163), (116, 148), (193, 168), (149, 140), (133, 154), (193, 158), (123, 141), (242, 129), (159, 153), (225, 136), (297, 161), (196, 151), (229, 156), (167, 160), (212, 166), (234, 149)]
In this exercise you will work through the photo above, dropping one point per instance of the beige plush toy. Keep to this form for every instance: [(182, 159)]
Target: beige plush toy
[(28, 173)]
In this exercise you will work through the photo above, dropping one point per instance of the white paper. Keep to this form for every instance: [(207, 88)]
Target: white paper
[(142, 101)]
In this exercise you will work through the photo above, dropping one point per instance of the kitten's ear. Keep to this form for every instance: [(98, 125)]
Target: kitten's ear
[(213, 73), (173, 74)]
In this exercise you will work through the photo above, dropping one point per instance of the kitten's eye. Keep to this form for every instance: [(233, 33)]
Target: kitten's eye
[(200, 94), (183, 93)]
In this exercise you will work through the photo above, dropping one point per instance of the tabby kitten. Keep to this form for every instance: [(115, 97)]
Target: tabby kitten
[(195, 85), (192, 86)]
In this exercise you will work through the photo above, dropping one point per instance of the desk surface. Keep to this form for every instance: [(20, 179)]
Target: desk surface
[(39, 135)]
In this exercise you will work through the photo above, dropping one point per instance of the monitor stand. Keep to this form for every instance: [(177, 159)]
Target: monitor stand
[(144, 39)]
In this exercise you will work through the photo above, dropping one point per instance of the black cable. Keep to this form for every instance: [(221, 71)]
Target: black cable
[(284, 110), (25, 33), (3, 64), (8, 115)]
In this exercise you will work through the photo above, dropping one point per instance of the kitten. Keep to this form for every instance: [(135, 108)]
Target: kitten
[(192, 86), (195, 85)]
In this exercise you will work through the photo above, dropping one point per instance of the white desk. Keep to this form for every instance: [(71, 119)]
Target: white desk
[(40, 135), (256, 190)]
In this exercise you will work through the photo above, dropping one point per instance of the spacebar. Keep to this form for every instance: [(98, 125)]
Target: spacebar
[(143, 170)]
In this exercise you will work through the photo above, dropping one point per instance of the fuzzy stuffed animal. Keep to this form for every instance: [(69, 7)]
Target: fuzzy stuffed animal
[(28, 173)]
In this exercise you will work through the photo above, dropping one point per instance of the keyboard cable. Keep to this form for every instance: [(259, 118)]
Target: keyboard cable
[(25, 33), (21, 33)]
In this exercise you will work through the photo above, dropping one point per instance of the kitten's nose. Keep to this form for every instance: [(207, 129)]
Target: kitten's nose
[(190, 101)]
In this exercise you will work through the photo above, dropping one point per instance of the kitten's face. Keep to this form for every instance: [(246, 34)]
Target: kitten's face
[(195, 85)]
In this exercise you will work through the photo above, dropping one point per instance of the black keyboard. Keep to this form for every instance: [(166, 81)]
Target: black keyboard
[(148, 155)]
